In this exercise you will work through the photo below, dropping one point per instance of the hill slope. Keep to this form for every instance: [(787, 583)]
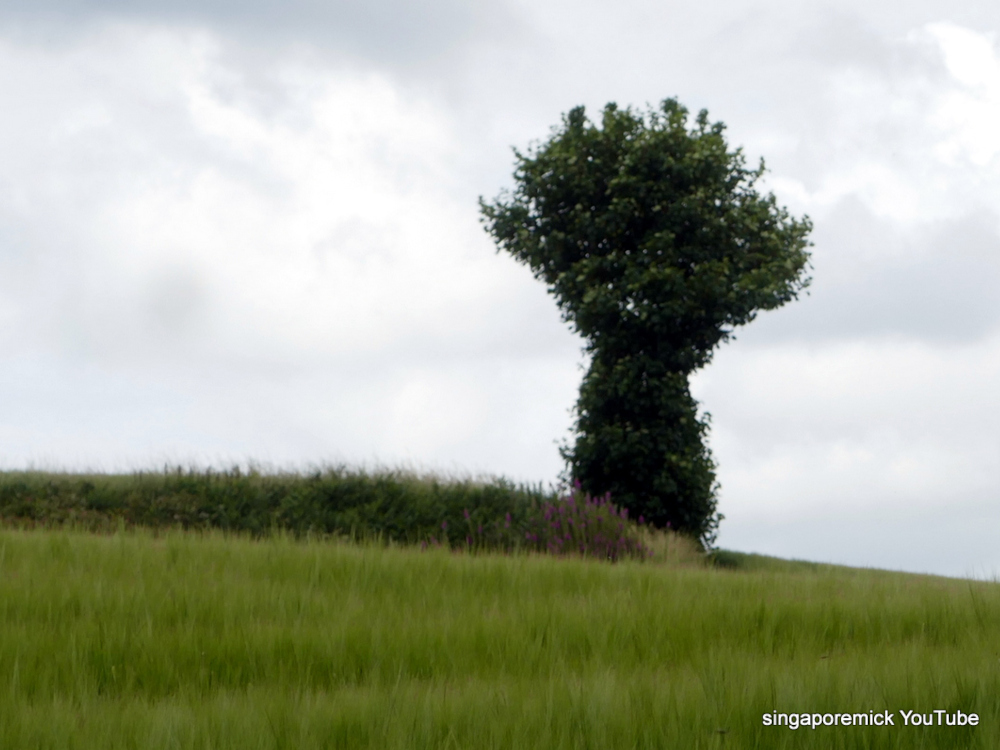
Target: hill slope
[(188, 640)]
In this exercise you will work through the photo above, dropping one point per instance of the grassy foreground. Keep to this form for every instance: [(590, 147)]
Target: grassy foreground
[(201, 641)]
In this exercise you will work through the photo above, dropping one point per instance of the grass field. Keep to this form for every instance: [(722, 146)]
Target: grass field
[(187, 640)]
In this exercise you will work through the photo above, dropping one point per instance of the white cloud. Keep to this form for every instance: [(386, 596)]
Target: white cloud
[(913, 146), (328, 228), (970, 113), (855, 429), (263, 230)]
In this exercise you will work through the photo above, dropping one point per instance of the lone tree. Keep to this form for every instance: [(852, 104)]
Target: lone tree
[(656, 245)]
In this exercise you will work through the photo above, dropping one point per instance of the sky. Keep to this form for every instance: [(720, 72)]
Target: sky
[(248, 232)]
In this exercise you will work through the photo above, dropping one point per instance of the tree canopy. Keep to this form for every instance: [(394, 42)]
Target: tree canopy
[(656, 244)]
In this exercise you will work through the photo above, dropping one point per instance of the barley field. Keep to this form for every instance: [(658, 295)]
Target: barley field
[(203, 640)]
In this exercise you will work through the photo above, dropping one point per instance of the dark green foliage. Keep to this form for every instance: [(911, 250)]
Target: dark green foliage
[(644, 443), (393, 506), (656, 245)]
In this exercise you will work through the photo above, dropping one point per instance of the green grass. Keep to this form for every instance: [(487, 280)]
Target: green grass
[(751, 562), (188, 640)]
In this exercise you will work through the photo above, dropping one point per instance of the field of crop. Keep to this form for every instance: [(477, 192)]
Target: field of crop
[(199, 640)]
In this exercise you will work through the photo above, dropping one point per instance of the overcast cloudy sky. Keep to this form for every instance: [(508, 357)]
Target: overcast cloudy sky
[(236, 231)]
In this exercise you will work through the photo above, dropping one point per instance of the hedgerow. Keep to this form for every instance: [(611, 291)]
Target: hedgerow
[(393, 506)]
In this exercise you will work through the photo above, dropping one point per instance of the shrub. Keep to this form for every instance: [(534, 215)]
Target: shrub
[(394, 506), (578, 524)]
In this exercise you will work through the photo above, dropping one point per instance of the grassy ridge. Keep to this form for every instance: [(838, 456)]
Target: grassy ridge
[(189, 640)]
